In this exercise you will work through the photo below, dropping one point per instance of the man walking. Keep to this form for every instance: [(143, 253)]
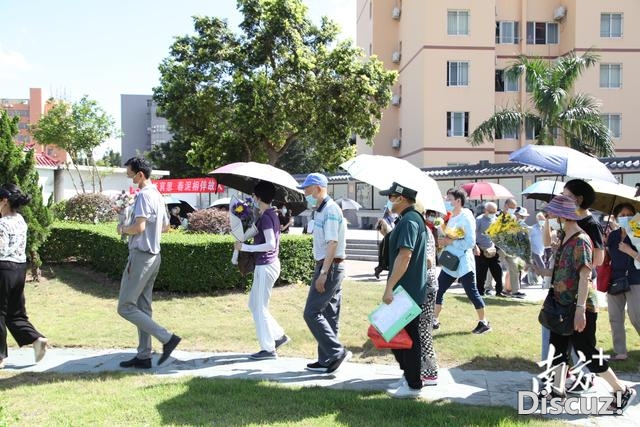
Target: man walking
[(136, 287), (486, 253), (322, 310)]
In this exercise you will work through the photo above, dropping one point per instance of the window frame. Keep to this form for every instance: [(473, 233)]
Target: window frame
[(451, 123), (606, 119), (449, 73), (533, 38), (459, 13), (515, 32), (506, 84), (609, 67), (611, 15)]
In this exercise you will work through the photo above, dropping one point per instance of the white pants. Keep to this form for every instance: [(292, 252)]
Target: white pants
[(267, 328)]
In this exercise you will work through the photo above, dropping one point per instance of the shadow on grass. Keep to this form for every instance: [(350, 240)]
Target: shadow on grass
[(498, 363)]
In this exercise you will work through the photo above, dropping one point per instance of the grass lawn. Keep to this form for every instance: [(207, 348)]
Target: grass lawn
[(77, 308)]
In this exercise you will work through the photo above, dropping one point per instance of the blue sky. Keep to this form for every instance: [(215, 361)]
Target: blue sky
[(70, 48)]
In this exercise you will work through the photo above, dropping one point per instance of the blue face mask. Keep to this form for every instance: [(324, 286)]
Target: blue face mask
[(448, 206), (623, 221), (311, 201), (256, 204), (389, 206)]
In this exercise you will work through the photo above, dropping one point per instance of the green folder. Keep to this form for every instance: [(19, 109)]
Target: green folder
[(389, 319)]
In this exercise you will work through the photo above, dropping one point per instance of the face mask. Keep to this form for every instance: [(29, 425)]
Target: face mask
[(256, 204), (431, 218), (284, 210), (623, 221), (311, 201), (511, 211), (448, 206), (554, 224), (541, 223), (491, 215), (389, 206)]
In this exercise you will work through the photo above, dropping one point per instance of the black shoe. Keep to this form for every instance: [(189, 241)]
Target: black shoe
[(264, 355), (627, 397), (518, 294), (335, 365), (316, 367), (501, 295), (282, 341), (377, 271), (435, 325), (136, 363), (482, 327), (168, 348)]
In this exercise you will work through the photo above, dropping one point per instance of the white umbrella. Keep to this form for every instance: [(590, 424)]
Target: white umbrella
[(225, 201), (382, 171), (608, 195), (346, 204), (543, 190)]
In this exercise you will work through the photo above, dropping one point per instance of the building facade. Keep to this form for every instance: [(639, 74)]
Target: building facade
[(450, 56), (141, 127), (30, 110)]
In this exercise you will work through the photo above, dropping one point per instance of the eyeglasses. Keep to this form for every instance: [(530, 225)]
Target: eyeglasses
[(393, 196)]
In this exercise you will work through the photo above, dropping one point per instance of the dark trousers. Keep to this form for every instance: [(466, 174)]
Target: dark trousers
[(410, 359), (13, 315), (584, 342), (484, 264)]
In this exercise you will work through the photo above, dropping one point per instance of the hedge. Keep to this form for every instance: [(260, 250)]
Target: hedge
[(190, 262)]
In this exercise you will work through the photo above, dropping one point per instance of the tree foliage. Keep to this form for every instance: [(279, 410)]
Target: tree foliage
[(18, 167), (110, 158), (282, 81), (78, 129), (171, 156), (556, 110)]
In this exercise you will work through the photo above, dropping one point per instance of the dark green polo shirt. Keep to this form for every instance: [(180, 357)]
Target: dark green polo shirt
[(411, 233)]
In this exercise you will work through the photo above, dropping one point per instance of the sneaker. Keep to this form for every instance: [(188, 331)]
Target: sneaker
[(282, 341), (429, 380), (335, 365), (405, 392), (316, 367), (488, 293), (136, 363), (397, 384), (579, 385), (518, 294), (168, 348), (39, 348), (501, 295), (626, 399), (264, 355), (436, 325), (482, 327)]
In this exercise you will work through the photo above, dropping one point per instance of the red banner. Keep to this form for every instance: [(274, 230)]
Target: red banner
[(188, 185)]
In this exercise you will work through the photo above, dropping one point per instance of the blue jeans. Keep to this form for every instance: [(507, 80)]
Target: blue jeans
[(322, 313), (468, 282)]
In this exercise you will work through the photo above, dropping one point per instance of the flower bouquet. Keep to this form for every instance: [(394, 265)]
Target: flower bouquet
[(241, 219), (123, 206), (511, 236), (633, 231), (454, 233)]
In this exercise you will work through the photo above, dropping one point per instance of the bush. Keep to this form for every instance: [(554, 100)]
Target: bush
[(90, 207), (209, 221), (59, 210), (190, 262)]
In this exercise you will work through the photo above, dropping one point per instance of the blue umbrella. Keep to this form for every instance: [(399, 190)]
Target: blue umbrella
[(563, 161)]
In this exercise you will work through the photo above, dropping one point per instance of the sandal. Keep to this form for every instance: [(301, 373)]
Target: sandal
[(618, 357)]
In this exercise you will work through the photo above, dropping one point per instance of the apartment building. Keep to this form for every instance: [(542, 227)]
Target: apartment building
[(450, 56), (141, 127), (30, 110)]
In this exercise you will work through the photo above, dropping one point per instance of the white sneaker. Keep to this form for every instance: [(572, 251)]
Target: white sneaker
[(397, 384), (39, 348), (405, 392)]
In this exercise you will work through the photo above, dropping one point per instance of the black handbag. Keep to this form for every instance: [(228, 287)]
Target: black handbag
[(619, 286), (449, 260), (557, 317)]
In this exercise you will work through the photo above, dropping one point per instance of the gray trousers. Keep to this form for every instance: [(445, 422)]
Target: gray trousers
[(134, 301), (616, 307), (322, 313)]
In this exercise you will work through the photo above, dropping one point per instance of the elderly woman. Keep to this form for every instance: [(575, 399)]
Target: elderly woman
[(570, 286), (13, 271), (623, 254)]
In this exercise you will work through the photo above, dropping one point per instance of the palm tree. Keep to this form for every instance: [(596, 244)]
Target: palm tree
[(556, 112)]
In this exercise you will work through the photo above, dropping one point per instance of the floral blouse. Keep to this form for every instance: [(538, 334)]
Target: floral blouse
[(13, 238), (571, 256)]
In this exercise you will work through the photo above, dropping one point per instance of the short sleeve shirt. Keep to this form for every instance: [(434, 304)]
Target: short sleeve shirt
[(571, 257), (329, 225), (13, 238), (150, 205)]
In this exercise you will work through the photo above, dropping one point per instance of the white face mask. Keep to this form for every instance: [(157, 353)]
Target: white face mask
[(511, 211), (554, 224), (431, 218), (284, 210), (541, 223), (491, 215)]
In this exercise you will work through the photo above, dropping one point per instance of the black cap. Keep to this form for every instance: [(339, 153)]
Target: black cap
[(401, 190)]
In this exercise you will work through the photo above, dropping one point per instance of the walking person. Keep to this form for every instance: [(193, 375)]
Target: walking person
[(461, 248), (322, 309), (149, 221), (13, 272), (570, 281), (265, 249), (623, 254), (486, 253), (512, 276), (408, 267)]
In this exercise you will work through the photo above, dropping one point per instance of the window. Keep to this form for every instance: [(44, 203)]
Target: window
[(457, 22), (507, 134), (613, 123), (542, 33), (457, 73), (611, 25), (611, 75), (457, 124), (531, 129), (505, 83), (507, 32)]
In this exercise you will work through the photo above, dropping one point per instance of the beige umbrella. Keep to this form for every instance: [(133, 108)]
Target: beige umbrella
[(608, 195)]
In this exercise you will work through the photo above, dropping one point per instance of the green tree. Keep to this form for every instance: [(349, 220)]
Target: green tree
[(78, 129), (18, 167), (110, 158), (171, 156), (575, 118), (280, 81)]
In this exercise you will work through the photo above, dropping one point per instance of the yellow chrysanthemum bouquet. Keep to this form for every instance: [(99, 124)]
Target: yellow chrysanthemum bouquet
[(511, 236), (634, 234)]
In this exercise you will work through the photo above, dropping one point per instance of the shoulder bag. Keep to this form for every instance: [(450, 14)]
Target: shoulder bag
[(621, 285), (603, 274), (449, 260)]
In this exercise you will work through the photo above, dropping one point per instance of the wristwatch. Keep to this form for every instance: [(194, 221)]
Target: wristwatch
[(323, 272)]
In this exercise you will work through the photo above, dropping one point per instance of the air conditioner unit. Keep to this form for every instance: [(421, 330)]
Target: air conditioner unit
[(559, 13), (395, 100), (395, 57), (395, 143), (395, 13)]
